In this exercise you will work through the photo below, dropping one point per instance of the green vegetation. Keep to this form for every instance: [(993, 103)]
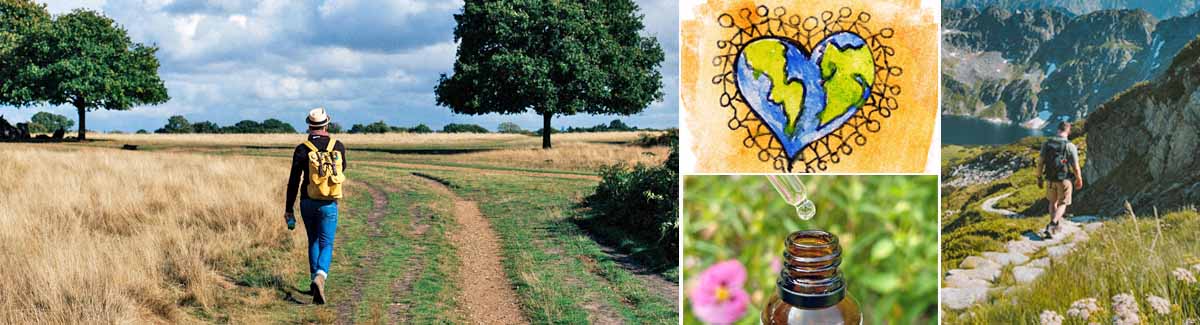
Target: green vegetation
[(45, 122), (383, 127), (463, 128), (887, 226), (638, 207), (82, 59), (179, 125), (1125, 256), (553, 58), (510, 127)]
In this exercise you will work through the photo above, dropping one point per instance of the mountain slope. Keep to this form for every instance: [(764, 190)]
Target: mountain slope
[(1142, 144)]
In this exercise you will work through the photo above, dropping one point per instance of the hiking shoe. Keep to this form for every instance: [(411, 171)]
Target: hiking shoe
[(1051, 228), (319, 289)]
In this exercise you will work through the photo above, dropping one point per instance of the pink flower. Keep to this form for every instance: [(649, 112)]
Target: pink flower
[(718, 297), (776, 265)]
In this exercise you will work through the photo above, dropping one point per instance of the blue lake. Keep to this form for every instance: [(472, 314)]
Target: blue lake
[(972, 131)]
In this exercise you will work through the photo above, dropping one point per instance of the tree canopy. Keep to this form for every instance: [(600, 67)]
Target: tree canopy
[(82, 59), (552, 58)]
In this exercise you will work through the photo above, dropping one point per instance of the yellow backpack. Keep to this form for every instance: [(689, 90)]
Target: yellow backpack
[(325, 171)]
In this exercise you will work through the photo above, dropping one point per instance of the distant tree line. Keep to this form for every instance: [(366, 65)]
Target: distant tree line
[(613, 126), (383, 127), (179, 124)]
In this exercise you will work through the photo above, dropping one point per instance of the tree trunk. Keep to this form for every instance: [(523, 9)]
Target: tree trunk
[(82, 122), (546, 130)]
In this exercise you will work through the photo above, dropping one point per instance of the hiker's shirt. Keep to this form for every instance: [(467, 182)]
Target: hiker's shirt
[(1072, 152), (299, 175)]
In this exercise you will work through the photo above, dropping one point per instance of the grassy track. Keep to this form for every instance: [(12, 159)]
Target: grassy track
[(399, 274), (560, 274)]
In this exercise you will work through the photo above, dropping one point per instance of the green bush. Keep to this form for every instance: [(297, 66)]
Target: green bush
[(176, 124), (44, 122), (510, 127), (421, 128), (463, 128), (642, 202)]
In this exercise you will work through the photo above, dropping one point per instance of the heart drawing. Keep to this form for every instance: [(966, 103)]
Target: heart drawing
[(802, 97)]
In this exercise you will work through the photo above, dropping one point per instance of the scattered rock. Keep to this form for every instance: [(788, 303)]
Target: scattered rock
[(1026, 274), (1023, 247), (963, 281), (1041, 262), (986, 274), (976, 262), (1091, 227), (1006, 258), (961, 298)]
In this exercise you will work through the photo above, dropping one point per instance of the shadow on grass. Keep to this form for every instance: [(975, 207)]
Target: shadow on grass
[(638, 255)]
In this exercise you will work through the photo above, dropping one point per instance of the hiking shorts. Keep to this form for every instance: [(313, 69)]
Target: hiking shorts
[(1059, 192)]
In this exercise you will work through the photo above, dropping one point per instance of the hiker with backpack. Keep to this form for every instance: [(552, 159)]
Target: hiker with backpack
[(1058, 165), (318, 171)]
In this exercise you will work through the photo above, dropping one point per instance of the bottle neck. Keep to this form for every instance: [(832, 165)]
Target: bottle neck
[(810, 278)]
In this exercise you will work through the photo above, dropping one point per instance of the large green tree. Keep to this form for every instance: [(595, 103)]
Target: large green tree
[(18, 20), (85, 60), (553, 58)]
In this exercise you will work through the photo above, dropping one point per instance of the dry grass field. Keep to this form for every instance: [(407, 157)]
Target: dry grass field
[(188, 229), (572, 152), (385, 139), (102, 236)]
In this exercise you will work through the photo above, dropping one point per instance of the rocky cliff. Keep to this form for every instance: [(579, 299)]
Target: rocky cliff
[(1144, 143), (1013, 65)]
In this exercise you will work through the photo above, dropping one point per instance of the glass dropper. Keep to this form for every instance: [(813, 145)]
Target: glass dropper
[(795, 194)]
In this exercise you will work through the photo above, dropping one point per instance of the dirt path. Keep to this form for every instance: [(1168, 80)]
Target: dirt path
[(486, 295), (989, 206), (379, 205)]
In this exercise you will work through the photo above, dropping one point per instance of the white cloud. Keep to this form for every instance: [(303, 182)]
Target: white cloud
[(228, 60)]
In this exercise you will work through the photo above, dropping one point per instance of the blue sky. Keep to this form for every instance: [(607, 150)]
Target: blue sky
[(228, 60)]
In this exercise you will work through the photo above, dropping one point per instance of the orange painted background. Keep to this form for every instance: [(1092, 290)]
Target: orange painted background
[(903, 141)]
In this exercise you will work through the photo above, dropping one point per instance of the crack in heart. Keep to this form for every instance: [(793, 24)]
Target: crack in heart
[(802, 97)]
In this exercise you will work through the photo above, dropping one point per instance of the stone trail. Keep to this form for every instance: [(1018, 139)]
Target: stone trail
[(976, 276)]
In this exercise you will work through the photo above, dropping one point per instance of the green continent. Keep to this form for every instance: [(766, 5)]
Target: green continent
[(768, 57), (841, 70)]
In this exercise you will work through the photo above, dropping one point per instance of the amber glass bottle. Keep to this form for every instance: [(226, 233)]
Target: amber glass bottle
[(811, 289)]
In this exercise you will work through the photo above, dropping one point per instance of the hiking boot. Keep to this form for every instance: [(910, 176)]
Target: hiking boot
[(1051, 228), (318, 287)]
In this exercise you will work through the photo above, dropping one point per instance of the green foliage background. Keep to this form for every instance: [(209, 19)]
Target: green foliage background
[(887, 226)]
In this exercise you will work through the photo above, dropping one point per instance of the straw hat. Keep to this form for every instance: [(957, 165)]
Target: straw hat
[(317, 117)]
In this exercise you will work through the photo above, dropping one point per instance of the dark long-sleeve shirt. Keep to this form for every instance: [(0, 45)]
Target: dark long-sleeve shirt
[(299, 174)]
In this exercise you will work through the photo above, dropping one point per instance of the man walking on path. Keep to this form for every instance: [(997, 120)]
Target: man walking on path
[(1059, 164), (318, 165)]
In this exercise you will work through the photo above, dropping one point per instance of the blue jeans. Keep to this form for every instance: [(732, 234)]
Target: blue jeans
[(320, 222)]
